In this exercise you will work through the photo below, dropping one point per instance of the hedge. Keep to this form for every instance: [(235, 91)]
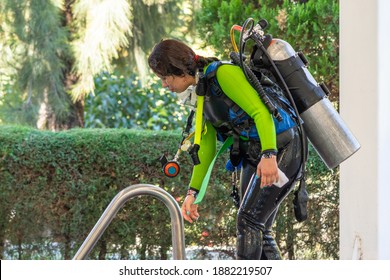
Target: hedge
[(54, 186)]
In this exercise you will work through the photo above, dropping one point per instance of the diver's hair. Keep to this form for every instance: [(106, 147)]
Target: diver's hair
[(172, 57)]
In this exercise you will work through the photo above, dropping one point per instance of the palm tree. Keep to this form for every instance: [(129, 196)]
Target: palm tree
[(52, 49)]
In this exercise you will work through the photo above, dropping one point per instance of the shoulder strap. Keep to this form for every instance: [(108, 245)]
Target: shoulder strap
[(211, 73), (215, 88), (212, 68)]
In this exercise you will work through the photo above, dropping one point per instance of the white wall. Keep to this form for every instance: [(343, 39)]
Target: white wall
[(365, 107)]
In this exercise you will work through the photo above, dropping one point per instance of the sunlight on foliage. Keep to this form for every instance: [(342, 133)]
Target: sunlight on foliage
[(121, 101), (104, 27)]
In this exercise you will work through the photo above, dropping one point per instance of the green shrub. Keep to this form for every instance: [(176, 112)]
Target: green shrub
[(54, 186), (122, 102), (311, 27)]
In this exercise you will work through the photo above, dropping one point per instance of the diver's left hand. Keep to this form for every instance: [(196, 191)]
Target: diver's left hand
[(267, 170)]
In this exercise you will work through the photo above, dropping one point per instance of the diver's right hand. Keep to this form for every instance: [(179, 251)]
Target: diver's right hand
[(189, 210)]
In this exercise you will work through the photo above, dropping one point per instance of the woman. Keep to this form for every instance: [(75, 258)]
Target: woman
[(233, 107)]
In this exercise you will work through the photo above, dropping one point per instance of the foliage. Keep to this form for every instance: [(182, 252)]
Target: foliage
[(55, 186), (53, 49), (311, 27), (101, 29), (122, 102), (12, 110), (151, 21), (33, 64), (315, 238)]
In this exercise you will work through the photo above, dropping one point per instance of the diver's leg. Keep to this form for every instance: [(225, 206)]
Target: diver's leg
[(249, 235), (271, 249), (259, 204)]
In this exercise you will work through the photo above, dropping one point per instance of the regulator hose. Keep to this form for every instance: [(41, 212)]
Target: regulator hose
[(254, 81), (299, 208)]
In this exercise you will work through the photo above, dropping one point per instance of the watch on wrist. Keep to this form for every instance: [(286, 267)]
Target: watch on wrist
[(192, 192), (268, 154)]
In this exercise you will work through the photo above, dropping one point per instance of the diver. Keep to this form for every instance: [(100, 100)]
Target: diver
[(266, 148)]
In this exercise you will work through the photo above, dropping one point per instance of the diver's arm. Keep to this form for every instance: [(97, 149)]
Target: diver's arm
[(206, 154), (235, 85), (207, 148)]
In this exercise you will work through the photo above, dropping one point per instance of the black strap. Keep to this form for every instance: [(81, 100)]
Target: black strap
[(301, 198), (235, 156), (186, 131)]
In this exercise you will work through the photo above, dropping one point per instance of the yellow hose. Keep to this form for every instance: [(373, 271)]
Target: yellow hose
[(199, 119), (238, 28)]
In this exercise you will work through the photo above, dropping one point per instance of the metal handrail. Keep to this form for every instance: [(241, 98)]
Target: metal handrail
[(119, 200)]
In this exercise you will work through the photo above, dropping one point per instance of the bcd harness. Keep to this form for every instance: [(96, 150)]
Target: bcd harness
[(231, 120), (232, 123)]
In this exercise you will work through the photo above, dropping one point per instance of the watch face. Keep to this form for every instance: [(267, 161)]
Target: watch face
[(268, 155)]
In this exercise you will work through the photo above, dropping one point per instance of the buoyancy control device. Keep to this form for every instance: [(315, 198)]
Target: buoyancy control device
[(277, 59), (322, 124)]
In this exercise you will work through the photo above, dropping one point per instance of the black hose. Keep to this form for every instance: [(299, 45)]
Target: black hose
[(254, 81), (291, 99), (256, 38)]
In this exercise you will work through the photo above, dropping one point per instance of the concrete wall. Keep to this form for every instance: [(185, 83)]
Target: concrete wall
[(365, 107)]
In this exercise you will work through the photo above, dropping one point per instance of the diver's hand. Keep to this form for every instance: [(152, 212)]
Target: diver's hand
[(189, 210), (267, 170)]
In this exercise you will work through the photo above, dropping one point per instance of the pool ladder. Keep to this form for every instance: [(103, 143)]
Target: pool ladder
[(178, 244)]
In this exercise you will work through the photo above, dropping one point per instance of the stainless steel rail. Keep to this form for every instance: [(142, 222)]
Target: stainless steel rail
[(119, 200)]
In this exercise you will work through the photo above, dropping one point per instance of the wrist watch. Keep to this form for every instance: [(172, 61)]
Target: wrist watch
[(268, 154), (192, 192)]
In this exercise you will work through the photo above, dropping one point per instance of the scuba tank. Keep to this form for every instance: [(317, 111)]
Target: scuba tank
[(322, 124)]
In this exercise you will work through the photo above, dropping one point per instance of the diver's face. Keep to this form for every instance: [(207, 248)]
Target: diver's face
[(177, 83)]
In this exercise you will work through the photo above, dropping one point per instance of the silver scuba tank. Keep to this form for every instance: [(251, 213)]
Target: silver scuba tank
[(323, 126)]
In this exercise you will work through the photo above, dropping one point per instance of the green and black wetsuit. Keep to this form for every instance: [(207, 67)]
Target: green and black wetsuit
[(233, 107)]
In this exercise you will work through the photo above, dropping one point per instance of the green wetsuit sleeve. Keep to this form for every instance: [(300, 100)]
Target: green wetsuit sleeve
[(235, 85), (207, 150)]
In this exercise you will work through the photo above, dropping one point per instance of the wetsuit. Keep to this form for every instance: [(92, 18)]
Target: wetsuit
[(258, 205)]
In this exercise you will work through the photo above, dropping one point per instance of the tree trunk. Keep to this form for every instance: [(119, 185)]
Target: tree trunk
[(74, 117), (141, 62), (290, 233), (2, 244), (143, 252), (67, 248), (163, 253), (48, 120), (103, 250), (20, 248)]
